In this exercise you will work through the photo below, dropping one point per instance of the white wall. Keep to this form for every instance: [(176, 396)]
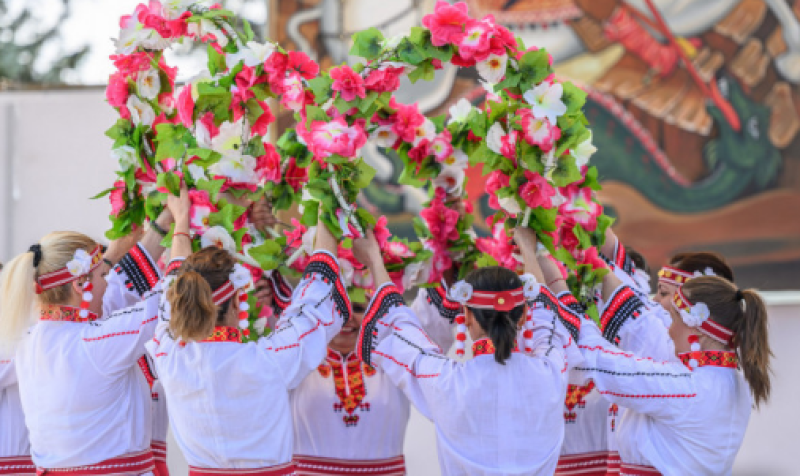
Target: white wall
[(54, 156)]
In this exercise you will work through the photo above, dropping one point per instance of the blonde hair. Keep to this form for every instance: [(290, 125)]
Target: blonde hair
[(18, 298), (748, 322), (192, 309)]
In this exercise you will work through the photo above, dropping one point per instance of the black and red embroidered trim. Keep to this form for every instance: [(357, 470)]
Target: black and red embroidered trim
[(623, 304), (141, 273), (386, 298), (147, 370), (570, 320), (711, 358), (281, 292), (326, 266), (448, 309)]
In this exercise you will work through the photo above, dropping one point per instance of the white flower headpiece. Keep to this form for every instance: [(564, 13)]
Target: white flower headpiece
[(80, 264)]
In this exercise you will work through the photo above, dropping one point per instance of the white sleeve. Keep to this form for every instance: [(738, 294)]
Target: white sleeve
[(134, 275), (8, 374), (652, 387), (436, 314), (392, 337), (117, 342), (319, 308)]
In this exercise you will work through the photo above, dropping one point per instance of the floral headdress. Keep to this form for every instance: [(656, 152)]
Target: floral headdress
[(697, 315), (81, 264)]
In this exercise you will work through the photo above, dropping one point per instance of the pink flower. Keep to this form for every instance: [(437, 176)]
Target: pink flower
[(406, 121), (293, 95), (509, 145), (276, 64), (475, 42), (133, 63), (302, 64), (500, 247), (200, 210), (383, 80), (566, 236), (171, 73), (419, 152), (295, 176), (117, 91), (294, 237), (580, 207), (494, 182), (348, 83), (398, 250), (186, 107), (440, 219), (591, 258), (268, 166), (442, 145), (336, 137), (117, 197), (382, 234), (261, 126), (446, 23), (536, 192), (348, 229), (539, 132)]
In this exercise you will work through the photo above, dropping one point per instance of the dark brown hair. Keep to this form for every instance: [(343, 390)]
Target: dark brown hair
[(748, 322), (693, 262), (193, 312), (501, 326)]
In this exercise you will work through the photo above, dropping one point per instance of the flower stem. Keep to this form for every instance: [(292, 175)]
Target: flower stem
[(337, 191)]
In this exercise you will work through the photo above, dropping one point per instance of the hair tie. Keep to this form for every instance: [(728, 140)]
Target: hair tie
[(739, 295), (37, 254)]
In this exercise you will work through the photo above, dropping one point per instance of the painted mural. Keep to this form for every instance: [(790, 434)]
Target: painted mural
[(694, 105)]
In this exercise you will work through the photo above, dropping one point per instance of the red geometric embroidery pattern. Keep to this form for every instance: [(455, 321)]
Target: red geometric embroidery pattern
[(575, 394), (348, 379), (486, 347), (54, 312), (711, 358), (224, 334)]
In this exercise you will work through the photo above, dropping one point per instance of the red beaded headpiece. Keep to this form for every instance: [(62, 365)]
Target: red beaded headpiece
[(64, 275)]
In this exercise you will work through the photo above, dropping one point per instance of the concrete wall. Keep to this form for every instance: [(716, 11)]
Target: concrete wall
[(54, 156)]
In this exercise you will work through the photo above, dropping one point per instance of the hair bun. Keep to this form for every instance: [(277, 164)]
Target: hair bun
[(37, 254)]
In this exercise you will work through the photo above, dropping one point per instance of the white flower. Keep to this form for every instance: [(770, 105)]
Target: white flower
[(347, 272), (134, 34), (493, 68), (80, 264), (205, 27), (706, 272), (459, 111), (147, 84), (174, 8), (457, 159), (125, 156), (494, 138), (426, 130), (308, 240), (392, 42), (362, 278), (241, 277), (416, 273), (229, 139), (384, 136), (259, 325), (460, 292), (545, 101), (451, 179), (238, 168), (141, 111), (253, 54), (197, 172), (530, 287), (219, 237), (510, 204), (584, 151), (697, 316)]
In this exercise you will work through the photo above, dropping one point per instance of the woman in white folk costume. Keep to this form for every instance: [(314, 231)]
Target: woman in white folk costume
[(229, 401), (498, 413), (77, 335), (686, 388)]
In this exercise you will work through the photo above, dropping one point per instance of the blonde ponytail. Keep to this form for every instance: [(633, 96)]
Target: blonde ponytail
[(18, 299), (193, 313)]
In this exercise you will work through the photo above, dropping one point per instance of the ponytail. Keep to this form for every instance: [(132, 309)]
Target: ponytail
[(500, 326), (193, 313), (18, 299), (752, 341), (192, 310), (744, 312)]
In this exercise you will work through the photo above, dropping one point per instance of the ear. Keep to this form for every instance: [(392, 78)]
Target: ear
[(77, 286), (469, 318)]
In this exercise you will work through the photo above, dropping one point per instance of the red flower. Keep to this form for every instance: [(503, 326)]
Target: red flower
[(591, 258), (382, 234), (406, 120), (348, 83), (294, 236), (131, 64), (268, 166), (499, 246), (171, 73), (305, 66), (495, 182), (441, 220), (509, 145), (117, 197), (186, 107), (383, 80), (276, 65), (117, 90), (419, 152), (537, 191), (446, 23), (295, 176)]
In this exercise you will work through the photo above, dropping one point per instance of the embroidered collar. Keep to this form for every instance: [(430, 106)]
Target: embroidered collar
[(485, 347), (711, 358), (336, 356), (224, 334), (55, 312)]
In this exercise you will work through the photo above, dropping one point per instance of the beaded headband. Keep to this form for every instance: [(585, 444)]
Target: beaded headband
[(81, 264), (674, 276), (697, 315), (240, 278)]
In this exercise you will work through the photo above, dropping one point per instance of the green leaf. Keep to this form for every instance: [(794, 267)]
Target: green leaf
[(310, 213), (216, 61), (212, 187), (566, 172), (248, 31), (534, 68), (315, 113), (424, 71), (367, 43), (343, 106), (365, 218), (169, 181), (363, 174), (357, 295), (103, 193), (511, 80), (368, 101), (205, 157), (574, 98), (485, 260), (226, 216), (254, 110), (410, 53), (268, 255), (321, 87)]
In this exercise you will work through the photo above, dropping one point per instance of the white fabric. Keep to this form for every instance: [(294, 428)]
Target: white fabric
[(13, 433), (438, 328), (229, 402), (81, 389), (319, 420), (160, 415), (588, 431), (679, 421), (490, 419)]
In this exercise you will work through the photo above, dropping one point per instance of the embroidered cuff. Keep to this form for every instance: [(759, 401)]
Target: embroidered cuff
[(621, 259), (621, 306), (140, 271), (174, 265), (570, 312), (437, 297), (325, 265), (281, 292), (386, 297), (571, 302)]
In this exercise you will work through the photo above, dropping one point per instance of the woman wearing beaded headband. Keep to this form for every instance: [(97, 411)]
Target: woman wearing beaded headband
[(687, 404), (75, 370), (229, 401), (499, 412)]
